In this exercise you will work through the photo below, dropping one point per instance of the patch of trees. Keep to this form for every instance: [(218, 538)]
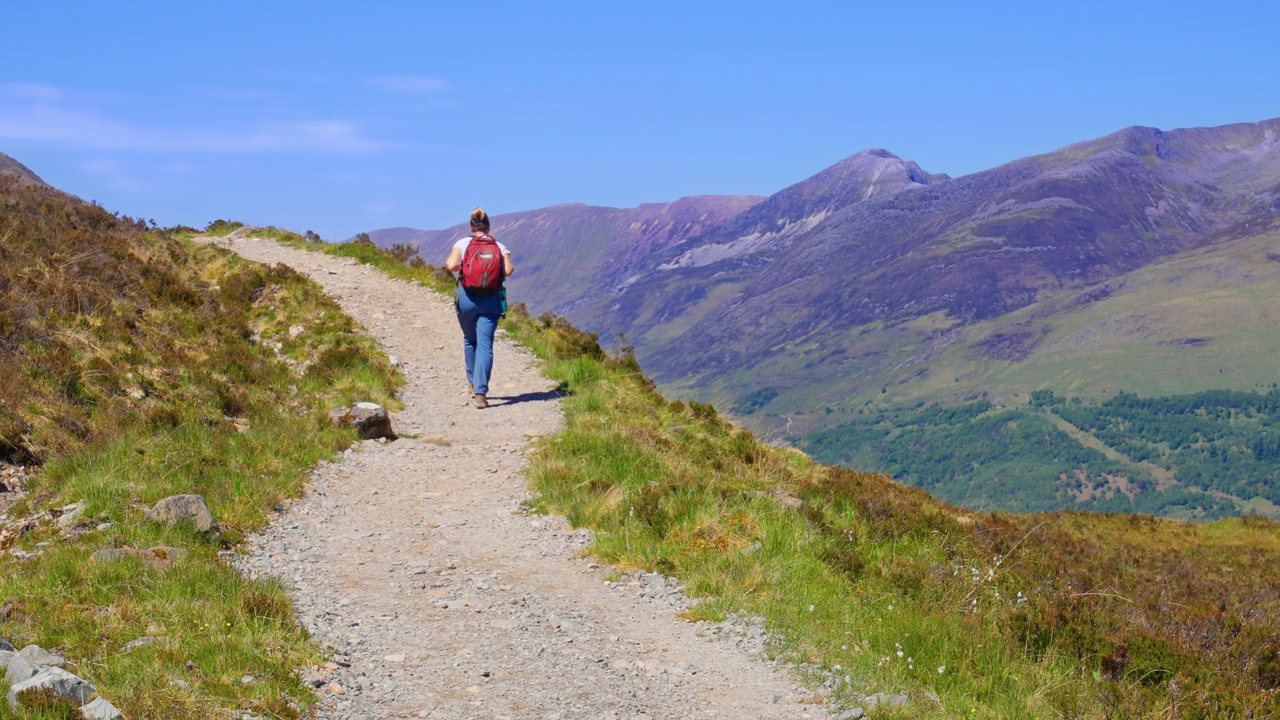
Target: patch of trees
[(1216, 443), (752, 402)]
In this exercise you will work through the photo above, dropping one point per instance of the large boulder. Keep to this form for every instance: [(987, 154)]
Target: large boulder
[(371, 420), (176, 508), (57, 681)]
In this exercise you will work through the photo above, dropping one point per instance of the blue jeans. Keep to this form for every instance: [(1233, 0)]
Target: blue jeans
[(478, 315)]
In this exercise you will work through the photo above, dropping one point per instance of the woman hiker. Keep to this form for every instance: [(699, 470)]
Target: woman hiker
[(480, 298)]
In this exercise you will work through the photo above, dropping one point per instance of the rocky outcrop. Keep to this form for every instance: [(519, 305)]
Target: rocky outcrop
[(37, 672)]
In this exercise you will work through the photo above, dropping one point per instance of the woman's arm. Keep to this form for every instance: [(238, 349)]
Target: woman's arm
[(454, 263), (508, 267)]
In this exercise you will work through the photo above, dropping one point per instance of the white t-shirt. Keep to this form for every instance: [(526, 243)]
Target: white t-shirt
[(464, 242)]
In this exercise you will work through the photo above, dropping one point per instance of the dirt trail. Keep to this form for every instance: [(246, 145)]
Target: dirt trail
[(439, 596)]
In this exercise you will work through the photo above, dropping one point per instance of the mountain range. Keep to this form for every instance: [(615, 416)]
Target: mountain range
[(876, 278)]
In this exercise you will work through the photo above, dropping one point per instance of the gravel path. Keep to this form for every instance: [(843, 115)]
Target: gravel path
[(416, 565)]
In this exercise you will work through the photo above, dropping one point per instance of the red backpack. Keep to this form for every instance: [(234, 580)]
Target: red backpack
[(482, 266)]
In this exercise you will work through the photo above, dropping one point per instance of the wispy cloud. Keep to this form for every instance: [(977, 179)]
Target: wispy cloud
[(411, 84), (41, 113)]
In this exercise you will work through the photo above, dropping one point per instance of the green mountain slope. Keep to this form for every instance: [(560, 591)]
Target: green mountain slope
[(1201, 320), (1173, 332)]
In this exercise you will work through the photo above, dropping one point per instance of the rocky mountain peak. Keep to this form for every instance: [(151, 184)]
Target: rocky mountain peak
[(873, 171)]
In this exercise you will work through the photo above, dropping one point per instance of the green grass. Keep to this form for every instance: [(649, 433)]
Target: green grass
[(136, 365)]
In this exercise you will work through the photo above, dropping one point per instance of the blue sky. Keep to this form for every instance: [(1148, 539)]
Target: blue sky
[(338, 118)]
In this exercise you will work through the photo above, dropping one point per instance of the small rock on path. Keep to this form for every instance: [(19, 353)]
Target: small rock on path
[(413, 562)]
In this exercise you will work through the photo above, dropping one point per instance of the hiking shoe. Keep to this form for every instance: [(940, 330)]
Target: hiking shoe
[(481, 402), (471, 389)]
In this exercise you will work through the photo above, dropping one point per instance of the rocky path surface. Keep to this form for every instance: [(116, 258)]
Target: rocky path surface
[(415, 563)]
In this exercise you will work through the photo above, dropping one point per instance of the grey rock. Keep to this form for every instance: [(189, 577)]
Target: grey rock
[(6, 645), (100, 709), (70, 516), (176, 508), (370, 420), (139, 643), (18, 669), (62, 683), (159, 557), (875, 701), (853, 714), (5, 657), (112, 554), (41, 658)]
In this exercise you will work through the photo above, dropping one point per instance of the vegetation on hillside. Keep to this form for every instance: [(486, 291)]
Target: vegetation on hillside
[(136, 365), (872, 586), (1200, 456)]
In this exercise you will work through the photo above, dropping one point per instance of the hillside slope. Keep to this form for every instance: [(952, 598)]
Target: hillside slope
[(134, 366), (24, 174)]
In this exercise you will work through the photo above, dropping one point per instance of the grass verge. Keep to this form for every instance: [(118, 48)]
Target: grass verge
[(137, 365)]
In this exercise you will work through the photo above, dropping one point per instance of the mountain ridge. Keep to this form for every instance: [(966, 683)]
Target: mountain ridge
[(842, 278)]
